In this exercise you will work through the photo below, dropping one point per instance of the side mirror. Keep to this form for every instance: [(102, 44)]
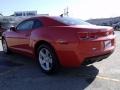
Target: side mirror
[(12, 29)]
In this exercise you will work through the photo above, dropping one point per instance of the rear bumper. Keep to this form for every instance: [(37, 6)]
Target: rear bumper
[(91, 60), (96, 50)]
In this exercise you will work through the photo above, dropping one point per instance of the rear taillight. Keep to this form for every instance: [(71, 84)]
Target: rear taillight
[(94, 35), (107, 33), (87, 35)]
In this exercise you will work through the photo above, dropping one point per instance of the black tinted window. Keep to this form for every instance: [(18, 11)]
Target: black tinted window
[(37, 24), (71, 21), (25, 25)]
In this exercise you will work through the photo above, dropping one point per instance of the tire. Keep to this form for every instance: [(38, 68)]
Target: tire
[(5, 47), (47, 59)]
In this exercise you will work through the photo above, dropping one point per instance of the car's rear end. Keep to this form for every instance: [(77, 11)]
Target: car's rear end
[(77, 41), (96, 43)]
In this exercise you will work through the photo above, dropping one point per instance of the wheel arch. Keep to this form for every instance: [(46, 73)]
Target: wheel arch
[(36, 46), (47, 43)]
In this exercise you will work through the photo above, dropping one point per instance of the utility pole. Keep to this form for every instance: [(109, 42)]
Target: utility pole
[(66, 12)]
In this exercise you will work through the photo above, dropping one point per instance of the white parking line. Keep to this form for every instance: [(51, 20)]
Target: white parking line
[(1, 46), (107, 78), (100, 77)]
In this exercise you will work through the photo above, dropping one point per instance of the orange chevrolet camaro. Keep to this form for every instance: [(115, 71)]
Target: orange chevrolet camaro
[(59, 41)]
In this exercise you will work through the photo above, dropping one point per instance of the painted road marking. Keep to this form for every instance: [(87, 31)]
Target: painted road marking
[(1, 49), (101, 77), (107, 78)]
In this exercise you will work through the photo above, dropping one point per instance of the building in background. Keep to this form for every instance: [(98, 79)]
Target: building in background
[(18, 16), (25, 13), (8, 21)]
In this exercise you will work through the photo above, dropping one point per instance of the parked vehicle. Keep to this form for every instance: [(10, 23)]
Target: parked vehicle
[(1, 30), (116, 26), (59, 41)]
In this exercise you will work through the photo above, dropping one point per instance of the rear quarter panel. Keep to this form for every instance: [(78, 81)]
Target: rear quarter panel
[(67, 52)]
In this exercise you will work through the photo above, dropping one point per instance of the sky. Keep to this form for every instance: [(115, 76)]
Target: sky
[(84, 9)]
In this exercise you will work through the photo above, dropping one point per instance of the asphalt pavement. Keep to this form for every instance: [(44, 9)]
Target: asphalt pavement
[(18, 72)]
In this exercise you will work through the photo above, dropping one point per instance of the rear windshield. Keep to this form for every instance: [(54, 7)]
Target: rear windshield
[(71, 21)]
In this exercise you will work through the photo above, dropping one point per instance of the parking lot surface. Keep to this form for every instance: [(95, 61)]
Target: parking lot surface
[(22, 73)]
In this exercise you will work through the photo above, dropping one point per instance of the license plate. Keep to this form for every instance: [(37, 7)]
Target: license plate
[(107, 44)]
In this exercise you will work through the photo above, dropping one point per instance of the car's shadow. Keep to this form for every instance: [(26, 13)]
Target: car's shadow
[(82, 76), (28, 70)]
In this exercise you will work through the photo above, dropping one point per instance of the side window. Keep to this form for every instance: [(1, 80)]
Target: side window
[(37, 24), (25, 25)]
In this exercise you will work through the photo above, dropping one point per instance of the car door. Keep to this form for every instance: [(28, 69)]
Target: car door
[(20, 38)]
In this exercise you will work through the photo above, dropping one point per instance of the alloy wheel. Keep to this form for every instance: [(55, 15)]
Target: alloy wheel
[(45, 59)]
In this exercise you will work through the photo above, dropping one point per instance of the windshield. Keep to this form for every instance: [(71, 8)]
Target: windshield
[(71, 21)]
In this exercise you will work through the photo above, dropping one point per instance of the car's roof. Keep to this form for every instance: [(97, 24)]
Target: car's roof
[(48, 20), (43, 17), (58, 21)]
